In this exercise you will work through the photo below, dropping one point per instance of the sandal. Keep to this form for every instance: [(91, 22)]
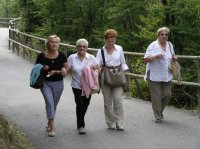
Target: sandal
[(48, 128)]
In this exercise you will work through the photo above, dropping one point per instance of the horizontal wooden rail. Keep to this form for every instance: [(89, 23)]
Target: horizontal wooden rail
[(31, 43)]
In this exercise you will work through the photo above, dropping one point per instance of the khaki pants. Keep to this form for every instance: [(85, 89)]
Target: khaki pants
[(113, 104), (160, 94)]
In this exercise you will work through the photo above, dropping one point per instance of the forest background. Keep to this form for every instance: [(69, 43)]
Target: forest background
[(136, 22)]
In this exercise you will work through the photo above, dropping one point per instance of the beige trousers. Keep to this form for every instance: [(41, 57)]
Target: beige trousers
[(160, 94), (113, 104)]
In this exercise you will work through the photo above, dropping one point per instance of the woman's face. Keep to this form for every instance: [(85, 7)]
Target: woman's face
[(53, 44), (81, 48), (163, 36), (110, 41)]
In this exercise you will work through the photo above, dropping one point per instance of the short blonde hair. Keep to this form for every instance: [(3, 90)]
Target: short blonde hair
[(82, 40), (49, 39), (163, 29), (110, 33)]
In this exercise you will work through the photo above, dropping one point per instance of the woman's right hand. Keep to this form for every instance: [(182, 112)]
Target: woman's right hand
[(158, 56), (45, 67)]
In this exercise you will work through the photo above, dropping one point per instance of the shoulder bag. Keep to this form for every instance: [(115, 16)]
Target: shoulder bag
[(113, 76), (175, 67)]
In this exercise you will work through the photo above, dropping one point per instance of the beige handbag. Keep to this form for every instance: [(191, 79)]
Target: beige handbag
[(175, 67), (113, 76)]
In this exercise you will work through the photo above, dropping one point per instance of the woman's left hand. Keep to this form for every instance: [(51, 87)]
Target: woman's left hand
[(174, 58)]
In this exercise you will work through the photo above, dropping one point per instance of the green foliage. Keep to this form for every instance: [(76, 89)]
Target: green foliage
[(136, 22), (9, 9)]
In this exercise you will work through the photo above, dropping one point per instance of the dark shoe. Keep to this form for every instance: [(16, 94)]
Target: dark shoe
[(157, 121), (81, 130), (162, 116)]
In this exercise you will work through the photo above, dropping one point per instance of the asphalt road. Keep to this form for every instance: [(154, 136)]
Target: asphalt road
[(24, 107)]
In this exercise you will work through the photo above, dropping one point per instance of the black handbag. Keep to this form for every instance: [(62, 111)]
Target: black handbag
[(40, 80)]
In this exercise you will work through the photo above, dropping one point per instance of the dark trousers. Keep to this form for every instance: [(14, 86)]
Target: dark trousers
[(81, 106)]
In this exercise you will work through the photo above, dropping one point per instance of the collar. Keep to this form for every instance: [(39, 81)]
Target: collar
[(86, 55), (115, 49)]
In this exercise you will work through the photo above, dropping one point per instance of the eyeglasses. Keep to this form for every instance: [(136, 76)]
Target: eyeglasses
[(80, 46), (162, 34), (111, 39)]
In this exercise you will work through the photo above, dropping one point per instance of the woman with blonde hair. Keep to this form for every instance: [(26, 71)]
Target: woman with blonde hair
[(158, 56), (54, 65)]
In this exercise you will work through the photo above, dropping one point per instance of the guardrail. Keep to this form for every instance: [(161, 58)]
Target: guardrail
[(29, 45), (9, 22)]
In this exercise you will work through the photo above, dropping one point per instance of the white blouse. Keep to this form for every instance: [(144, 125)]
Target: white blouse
[(77, 67), (159, 69), (115, 59)]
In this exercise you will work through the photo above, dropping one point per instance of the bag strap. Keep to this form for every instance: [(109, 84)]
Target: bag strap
[(103, 57), (170, 47)]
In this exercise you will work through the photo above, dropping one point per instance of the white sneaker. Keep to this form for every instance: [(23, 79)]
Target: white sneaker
[(119, 126), (81, 130)]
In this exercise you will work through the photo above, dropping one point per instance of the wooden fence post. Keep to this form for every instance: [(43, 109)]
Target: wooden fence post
[(197, 112)]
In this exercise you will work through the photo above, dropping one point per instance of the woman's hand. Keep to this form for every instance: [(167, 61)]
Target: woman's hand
[(95, 67), (174, 58), (153, 58), (45, 67), (52, 72), (63, 71), (159, 56)]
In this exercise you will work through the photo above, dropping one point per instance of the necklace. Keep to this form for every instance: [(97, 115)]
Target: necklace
[(163, 46)]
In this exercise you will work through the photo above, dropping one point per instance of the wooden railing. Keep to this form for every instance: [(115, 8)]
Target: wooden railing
[(29, 46), (9, 22)]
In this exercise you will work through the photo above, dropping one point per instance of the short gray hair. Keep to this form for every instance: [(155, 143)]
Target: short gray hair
[(162, 29), (82, 40)]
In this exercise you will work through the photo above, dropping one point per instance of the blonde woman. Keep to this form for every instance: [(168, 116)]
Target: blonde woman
[(158, 57), (54, 63)]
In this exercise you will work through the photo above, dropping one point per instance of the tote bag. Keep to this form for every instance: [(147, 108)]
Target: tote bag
[(113, 76)]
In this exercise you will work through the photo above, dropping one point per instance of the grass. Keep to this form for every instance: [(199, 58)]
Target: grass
[(12, 138)]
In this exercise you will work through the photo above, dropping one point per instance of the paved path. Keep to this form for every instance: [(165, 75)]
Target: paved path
[(24, 107)]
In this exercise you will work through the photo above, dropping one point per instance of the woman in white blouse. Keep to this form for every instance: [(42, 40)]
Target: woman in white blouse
[(76, 63), (113, 103), (158, 56)]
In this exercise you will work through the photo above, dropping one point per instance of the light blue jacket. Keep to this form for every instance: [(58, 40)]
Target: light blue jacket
[(35, 72)]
